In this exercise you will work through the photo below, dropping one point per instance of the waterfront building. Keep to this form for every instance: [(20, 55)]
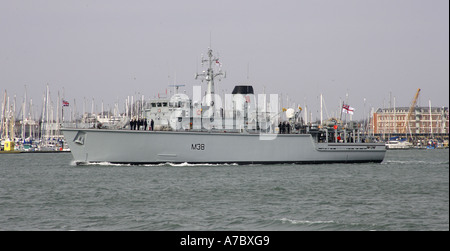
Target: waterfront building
[(424, 122)]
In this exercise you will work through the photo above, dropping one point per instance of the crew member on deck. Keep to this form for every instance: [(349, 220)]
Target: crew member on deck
[(132, 124), (138, 123)]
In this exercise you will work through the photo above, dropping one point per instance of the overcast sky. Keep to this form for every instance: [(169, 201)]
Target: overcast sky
[(372, 50)]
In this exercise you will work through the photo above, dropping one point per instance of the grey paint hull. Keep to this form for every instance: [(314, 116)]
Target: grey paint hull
[(142, 147)]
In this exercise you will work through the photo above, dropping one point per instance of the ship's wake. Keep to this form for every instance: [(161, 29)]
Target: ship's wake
[(169, 164)]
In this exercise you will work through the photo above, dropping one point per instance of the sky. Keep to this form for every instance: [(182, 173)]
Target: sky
[(367, 53)]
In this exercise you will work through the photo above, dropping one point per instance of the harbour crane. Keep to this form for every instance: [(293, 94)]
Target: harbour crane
[(411, 109)]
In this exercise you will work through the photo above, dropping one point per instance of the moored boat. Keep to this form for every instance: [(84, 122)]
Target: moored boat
[(396, 143)]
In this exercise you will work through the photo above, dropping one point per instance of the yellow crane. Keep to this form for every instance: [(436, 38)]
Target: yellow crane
[(411, 109)]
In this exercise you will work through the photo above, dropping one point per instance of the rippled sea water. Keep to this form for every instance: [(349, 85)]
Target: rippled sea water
[(46, 191)]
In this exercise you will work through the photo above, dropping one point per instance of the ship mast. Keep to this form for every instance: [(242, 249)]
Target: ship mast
[(209, 75)]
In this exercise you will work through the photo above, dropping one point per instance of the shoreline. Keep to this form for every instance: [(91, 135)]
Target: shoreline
[(18, 152)]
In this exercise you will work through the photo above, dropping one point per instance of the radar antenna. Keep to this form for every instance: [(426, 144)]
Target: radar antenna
[(176, 87)]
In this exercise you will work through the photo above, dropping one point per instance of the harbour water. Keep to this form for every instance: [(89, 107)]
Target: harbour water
[(46, 191)]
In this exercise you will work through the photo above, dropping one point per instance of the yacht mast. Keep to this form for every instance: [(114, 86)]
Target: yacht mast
[(431, 120), (3, 118), (24, 115), (321, 113)]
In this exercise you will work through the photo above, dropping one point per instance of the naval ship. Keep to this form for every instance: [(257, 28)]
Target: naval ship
[(240, 127)]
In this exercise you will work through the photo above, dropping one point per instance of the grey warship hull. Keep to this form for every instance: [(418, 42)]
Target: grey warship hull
[(152, 147)]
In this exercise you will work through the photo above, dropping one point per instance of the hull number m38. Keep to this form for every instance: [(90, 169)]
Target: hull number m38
[(198, 147)]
